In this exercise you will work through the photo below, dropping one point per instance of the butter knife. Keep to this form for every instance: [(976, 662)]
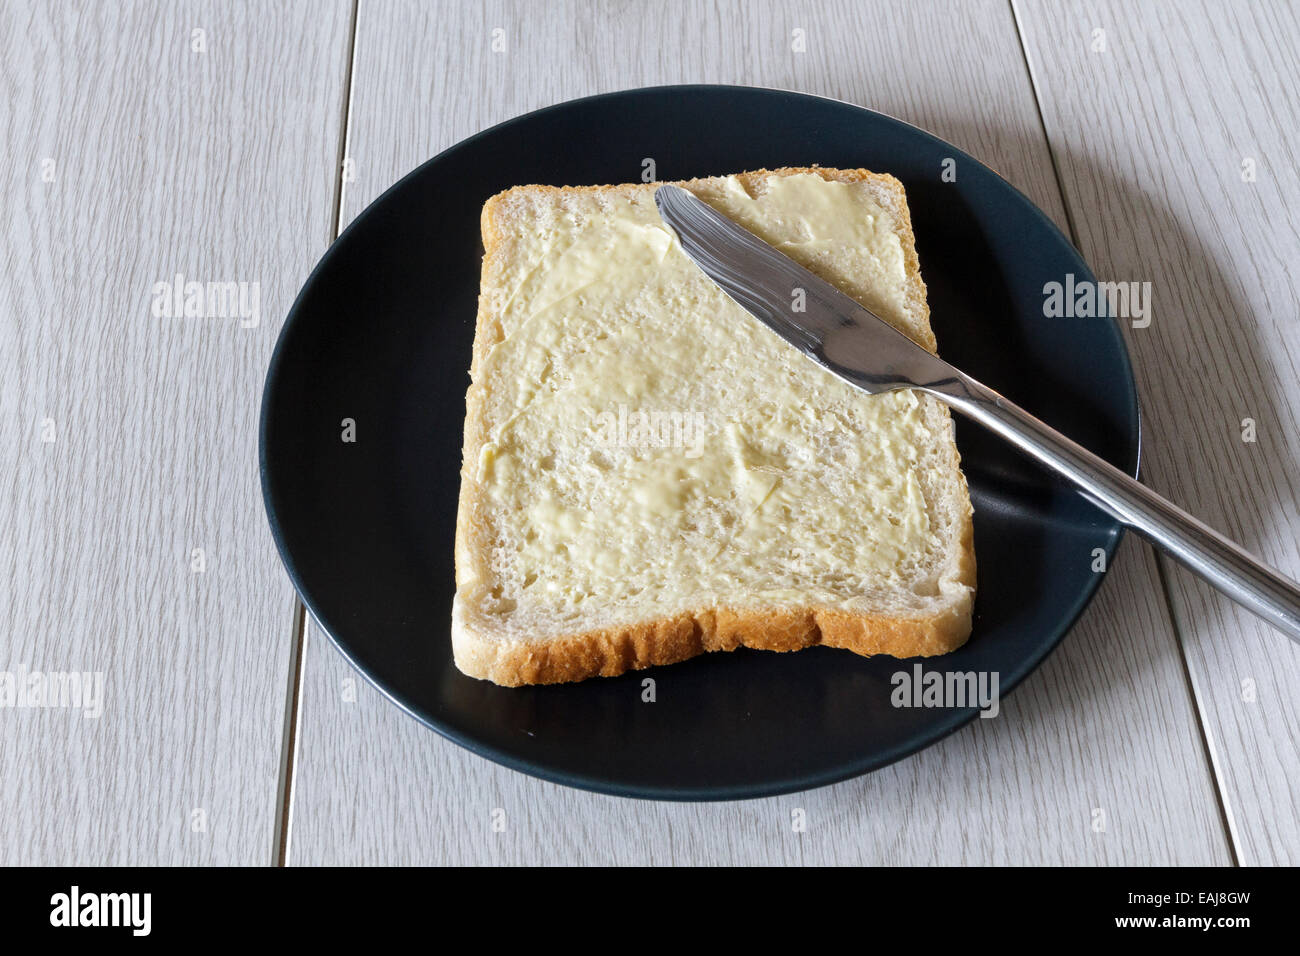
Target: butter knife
[(841, 335)]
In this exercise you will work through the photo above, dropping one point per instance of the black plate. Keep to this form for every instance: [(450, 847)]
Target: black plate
[(381, 334)]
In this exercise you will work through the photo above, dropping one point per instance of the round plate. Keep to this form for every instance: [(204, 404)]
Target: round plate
[(381, 335)]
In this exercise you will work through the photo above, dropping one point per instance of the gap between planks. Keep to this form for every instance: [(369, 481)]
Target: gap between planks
[(1162, 568), (298, 656)]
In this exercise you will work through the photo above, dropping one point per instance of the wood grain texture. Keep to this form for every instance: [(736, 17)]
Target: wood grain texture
[(129, 156), (1153, 136), (1106, 725)]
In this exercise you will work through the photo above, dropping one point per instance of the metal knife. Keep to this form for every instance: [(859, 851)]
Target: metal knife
[(838, 333)]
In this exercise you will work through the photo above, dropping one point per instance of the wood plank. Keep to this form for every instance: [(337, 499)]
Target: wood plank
[(373, 786), (135, 149), (1153, 136)]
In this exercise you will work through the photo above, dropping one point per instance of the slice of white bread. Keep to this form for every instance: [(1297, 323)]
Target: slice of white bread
[(650, 473)]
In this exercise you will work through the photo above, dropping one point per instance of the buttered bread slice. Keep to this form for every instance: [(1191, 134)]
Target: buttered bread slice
[(650, 473)]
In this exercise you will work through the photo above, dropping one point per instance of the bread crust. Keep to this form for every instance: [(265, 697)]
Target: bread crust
[(614, 651), (667, 640)]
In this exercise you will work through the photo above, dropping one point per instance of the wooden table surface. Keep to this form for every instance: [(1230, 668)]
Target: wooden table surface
[(231, 142)]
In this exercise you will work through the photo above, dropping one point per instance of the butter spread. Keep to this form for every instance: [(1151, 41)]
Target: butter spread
[(649, 442)]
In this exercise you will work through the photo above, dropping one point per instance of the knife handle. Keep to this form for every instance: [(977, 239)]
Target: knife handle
[(1200, 548)]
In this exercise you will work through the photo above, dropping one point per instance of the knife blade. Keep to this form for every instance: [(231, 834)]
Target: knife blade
[(831, 328)]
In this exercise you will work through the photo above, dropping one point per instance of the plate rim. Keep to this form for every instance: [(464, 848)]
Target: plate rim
[(786, 784)]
